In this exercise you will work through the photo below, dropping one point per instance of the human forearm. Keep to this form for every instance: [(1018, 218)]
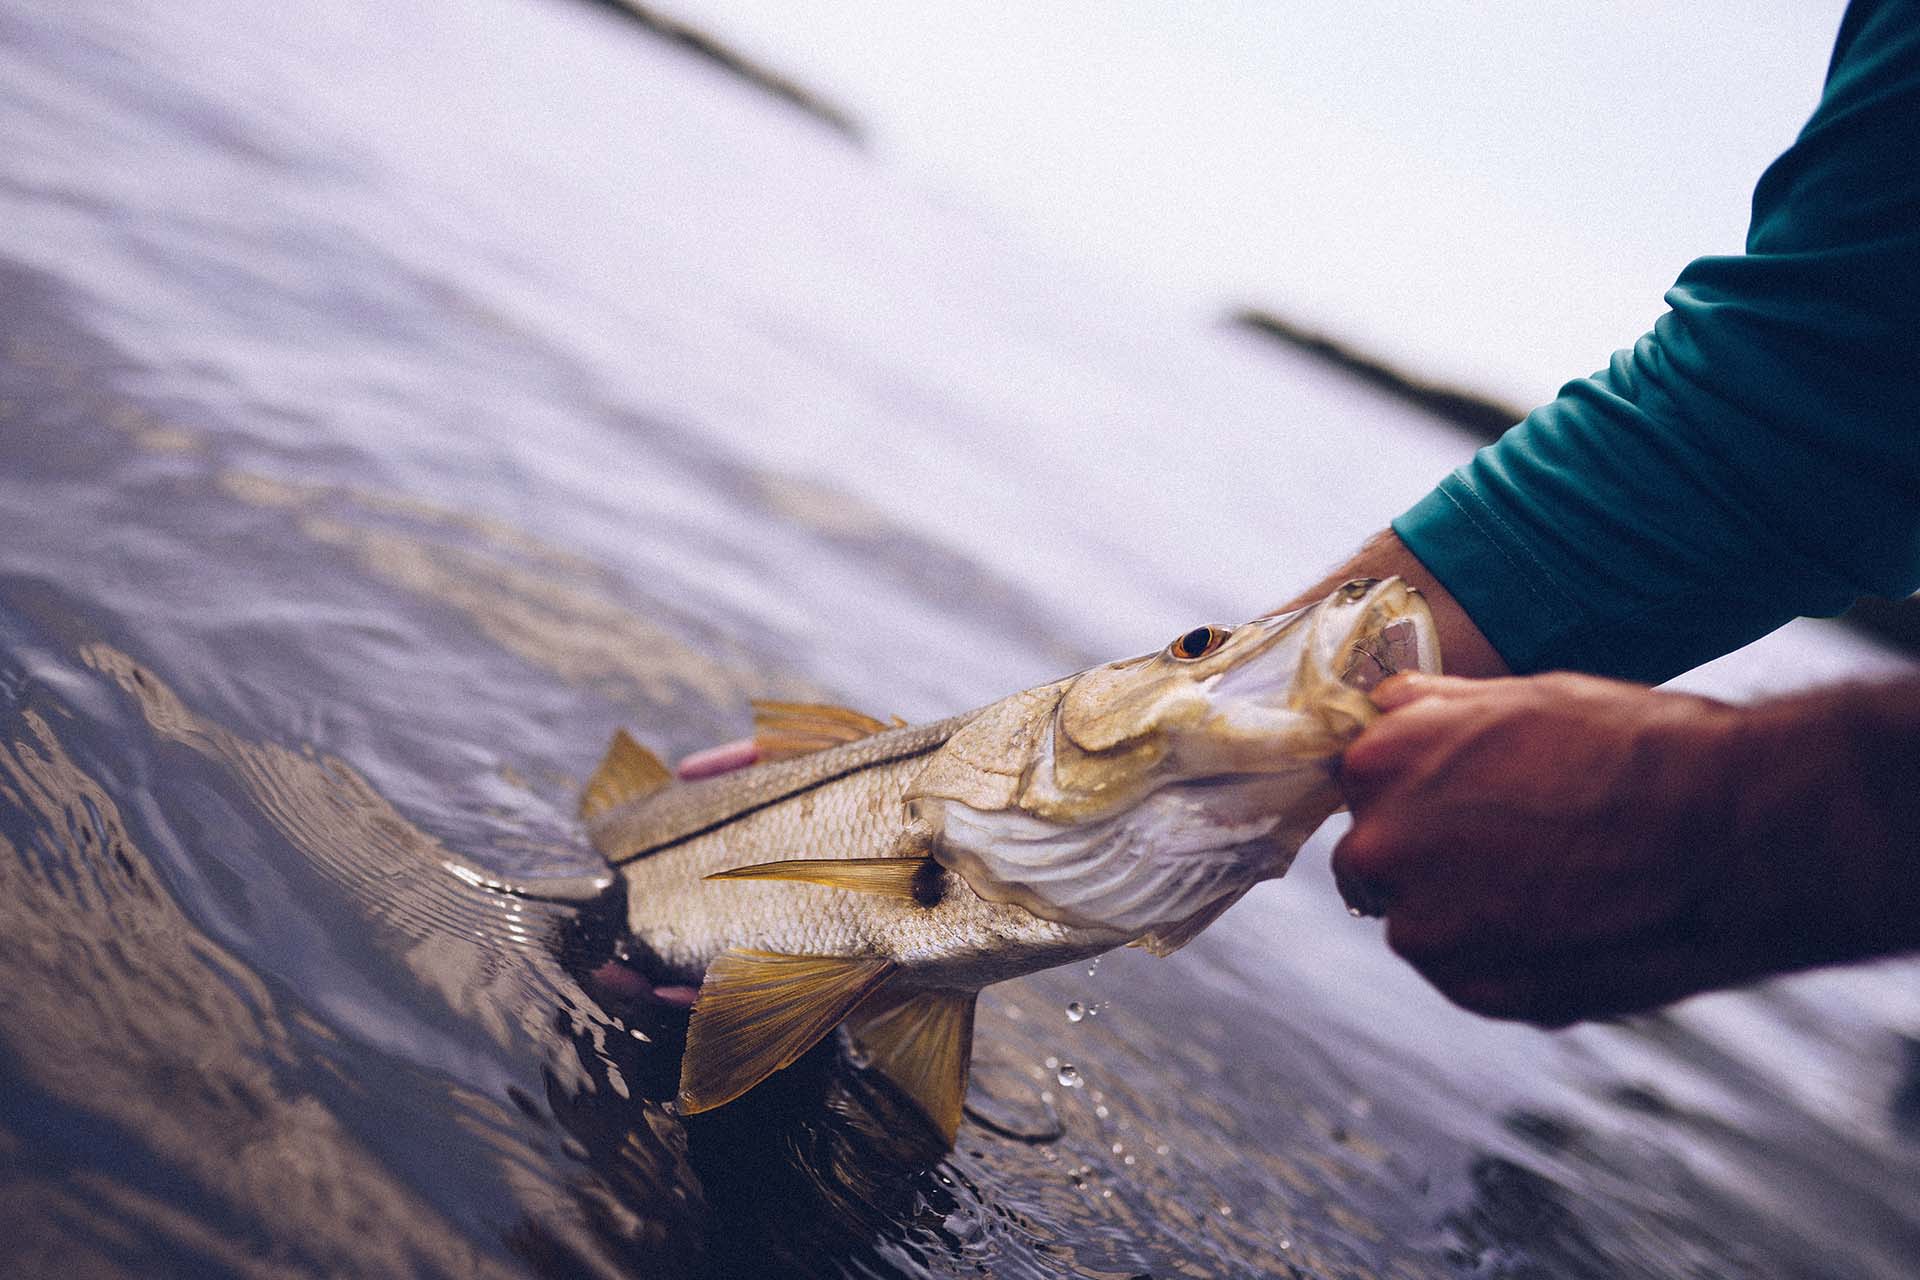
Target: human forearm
[(1463, 650), (1826, 807)]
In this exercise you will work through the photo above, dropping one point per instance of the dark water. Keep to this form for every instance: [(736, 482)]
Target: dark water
[(396, 402)]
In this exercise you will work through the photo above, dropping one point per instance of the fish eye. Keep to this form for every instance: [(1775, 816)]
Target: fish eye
[(1198, 643)]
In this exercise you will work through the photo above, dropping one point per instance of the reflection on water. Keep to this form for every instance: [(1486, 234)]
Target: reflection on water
[(162, 1108), (347, 508), (461, 998)]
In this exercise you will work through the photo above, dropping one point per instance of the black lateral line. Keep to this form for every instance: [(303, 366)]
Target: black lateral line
[(770, 801)]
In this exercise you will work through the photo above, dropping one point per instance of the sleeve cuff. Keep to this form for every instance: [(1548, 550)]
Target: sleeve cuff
[(1512, 598)]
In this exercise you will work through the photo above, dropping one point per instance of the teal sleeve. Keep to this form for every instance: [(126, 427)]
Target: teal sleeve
[(1753, 459)]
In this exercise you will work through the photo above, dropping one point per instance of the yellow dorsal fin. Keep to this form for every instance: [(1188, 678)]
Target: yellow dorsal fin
[(909, 879), (757, 1011), (627, 772), (923, 1040), (783, 730)]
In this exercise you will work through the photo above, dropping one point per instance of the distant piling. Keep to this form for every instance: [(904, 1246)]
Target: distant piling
[(1481, 415), (739, 64), (1895, 623)]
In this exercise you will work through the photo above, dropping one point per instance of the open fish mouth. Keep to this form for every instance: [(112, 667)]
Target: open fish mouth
[(1365, 631), (1394, 648)]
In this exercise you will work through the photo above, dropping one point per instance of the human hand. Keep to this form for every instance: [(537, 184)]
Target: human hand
[(1562, 847)]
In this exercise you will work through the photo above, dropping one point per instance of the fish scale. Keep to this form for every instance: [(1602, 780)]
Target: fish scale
[(884, 875), (962, 941)]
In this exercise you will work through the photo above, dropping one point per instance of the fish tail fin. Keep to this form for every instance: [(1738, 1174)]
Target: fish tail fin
[(757, 1011), (923, 1042)]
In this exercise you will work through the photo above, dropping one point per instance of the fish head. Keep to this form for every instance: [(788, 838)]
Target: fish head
[(1139, 795)]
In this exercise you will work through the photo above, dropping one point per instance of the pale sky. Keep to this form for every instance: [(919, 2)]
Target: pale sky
[(1496, 192)]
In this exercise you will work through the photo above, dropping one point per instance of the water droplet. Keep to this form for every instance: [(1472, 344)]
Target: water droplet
[(1102, 1111), (1053, 1064), (1127, 1160), (1117, 1148), (1075, 1011), (1285, 1243), (1226, 1211), (1355, 912), (1069, 1076)]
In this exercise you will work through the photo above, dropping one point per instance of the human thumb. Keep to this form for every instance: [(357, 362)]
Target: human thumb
[(1411, 686)]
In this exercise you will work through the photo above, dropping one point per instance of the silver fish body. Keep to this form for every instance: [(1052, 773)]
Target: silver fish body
[(846, 802), (887, 874)]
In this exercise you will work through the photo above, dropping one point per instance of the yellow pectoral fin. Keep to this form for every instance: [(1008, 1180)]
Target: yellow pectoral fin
[(909, 879), (627, 772), (783, 730), (1168, 939), (923, 1041), (757, 1011)]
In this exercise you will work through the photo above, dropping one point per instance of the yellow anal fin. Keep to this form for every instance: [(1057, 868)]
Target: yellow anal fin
[(783, 730), (909, 879), (627, 772), (923, 1041), (757, 1011)]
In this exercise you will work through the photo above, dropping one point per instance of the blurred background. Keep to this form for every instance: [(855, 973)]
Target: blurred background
[(1494, 194), (398, 400)]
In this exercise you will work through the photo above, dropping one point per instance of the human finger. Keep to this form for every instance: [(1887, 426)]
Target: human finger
[(1492, 982), (1556, 986), (1411, 686), (1508, 997), (724, 758), (1387, 746), (1364, 894), (1362, 871)]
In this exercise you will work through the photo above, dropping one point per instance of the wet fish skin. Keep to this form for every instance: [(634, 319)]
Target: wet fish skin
[(886, 879), (1158, 790), (686, 920)]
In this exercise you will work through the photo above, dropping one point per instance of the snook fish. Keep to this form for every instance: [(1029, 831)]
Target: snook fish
[(882, 875)]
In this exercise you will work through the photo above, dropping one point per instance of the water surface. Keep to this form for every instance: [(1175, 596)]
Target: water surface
[(396, 402)]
